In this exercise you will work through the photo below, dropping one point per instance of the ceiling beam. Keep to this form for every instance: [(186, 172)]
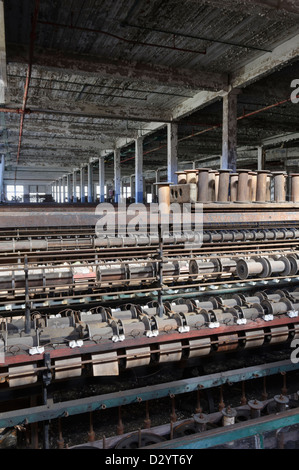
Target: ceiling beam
[(256, 69), (150, 74), (267, 63), (128, 113)]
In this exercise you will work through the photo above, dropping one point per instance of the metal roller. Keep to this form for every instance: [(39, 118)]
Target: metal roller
[(295, 331), (199, 347), (22, 375), (294, 262), (209, 304), (241, 299), (170, 352), (196, 320), (88, 317), (279, 265), (136, 357), (276, 308), (166, 324), (38, 278), (105, 364), (98, 331), (173, 307), (16, 325), (228, 302), (150, 310), (133, 328), (67, 368), (253, 338), (276, 296), (20, 342), (203, 267), (251, 312), (129, 272), (123, 314), (228, 342), (56, 321), (224, 316), (279, 334), (227, 265), (257, 266), (59, 334)]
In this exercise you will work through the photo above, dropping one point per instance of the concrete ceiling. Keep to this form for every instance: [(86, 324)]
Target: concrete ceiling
[(83, 77)]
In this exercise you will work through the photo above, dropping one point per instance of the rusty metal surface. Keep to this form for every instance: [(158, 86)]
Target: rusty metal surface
[(90, 347), (226, 213)]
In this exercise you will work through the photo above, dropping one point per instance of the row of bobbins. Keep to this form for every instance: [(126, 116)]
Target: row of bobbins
[(225, 186)]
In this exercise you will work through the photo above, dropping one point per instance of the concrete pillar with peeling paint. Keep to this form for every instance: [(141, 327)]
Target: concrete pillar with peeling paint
[(102, 179), (172, 152), (89, 182), (132, 185), (60, 190), (74, 186), (82, 192), (260, 158), (229, 131), (68, 187), (56, 190), (2, 168), (63, 188), (138, 169), (117, 176)]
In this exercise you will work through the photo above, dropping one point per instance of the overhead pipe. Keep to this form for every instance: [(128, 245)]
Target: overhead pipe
[(120, 38), (28, 76), (216, 126)]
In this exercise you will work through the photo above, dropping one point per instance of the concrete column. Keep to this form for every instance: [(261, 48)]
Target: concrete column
[(132, 186), (60, 190), (82, 195), (172, 152), (89, 182), (57, 190), (74, 186), (102, 179), (68, 185), (229, 131), (2, 167), (117, 176), (64, 183), (260, 159), (157, 180), (138, 169)]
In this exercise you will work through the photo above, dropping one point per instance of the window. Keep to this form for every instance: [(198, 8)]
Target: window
[(15, 193)]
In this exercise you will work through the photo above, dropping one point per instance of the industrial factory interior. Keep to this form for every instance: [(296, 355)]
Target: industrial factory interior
[(149, 221)]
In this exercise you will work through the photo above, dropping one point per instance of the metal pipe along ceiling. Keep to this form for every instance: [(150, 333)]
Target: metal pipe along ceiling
[(119, 38), (32, 39)]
